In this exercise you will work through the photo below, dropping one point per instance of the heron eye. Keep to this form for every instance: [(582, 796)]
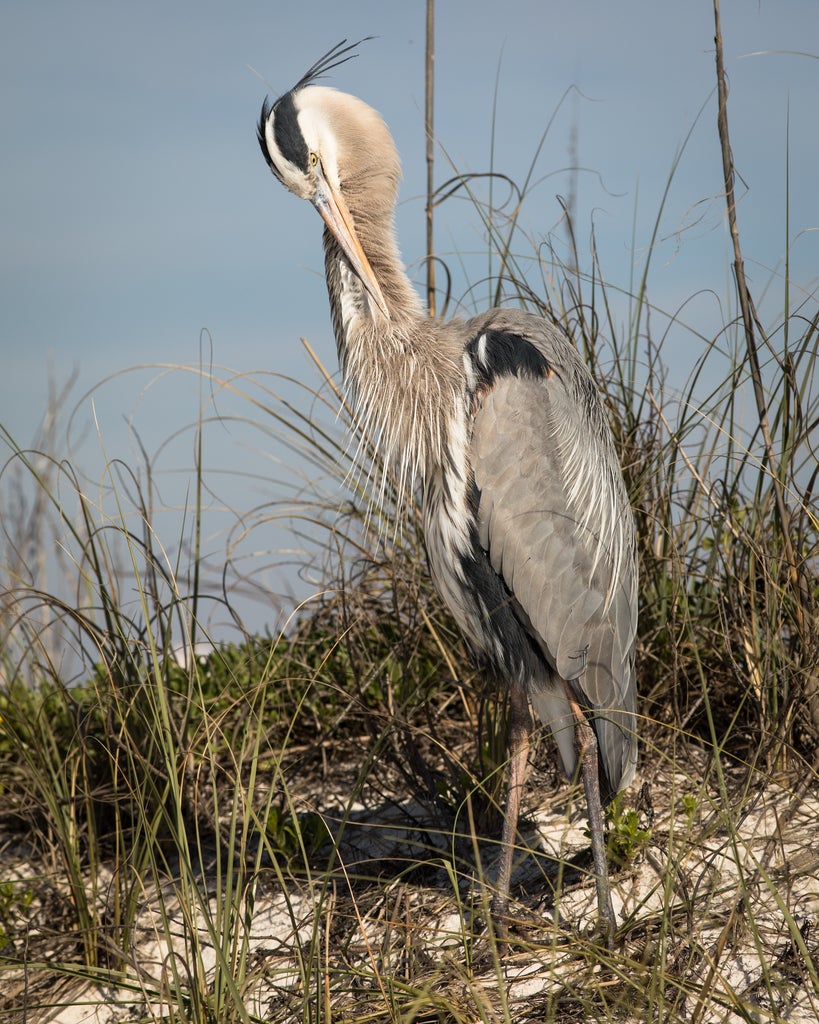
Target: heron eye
[(313, 159)]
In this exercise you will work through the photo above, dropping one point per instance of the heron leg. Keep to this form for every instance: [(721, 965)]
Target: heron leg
[(520, 731), (586, 748)]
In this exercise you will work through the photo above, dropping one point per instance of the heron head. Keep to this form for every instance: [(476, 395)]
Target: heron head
[(334, 150)]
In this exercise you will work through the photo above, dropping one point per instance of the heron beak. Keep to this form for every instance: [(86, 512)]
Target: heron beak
[(335, 214)]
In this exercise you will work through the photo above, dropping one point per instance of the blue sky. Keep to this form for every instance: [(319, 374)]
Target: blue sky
[(136, 209)]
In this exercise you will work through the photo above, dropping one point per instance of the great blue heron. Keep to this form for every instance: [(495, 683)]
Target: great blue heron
[(529, 533)]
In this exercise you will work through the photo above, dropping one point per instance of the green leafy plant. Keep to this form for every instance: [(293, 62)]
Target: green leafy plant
[(626, 837), (15, 899)]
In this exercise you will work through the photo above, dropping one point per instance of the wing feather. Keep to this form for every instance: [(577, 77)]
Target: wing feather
[(554, 519)]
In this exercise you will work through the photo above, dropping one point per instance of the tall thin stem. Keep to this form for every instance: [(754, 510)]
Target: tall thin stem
[(750, 321), (429, 127), (749, 317)]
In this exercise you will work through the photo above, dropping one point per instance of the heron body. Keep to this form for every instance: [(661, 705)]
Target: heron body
[(528, 529)]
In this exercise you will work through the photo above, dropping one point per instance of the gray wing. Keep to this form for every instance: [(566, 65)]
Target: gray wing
[(555, 521)]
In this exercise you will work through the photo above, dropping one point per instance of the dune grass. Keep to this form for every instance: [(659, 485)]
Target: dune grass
[(302, 826)]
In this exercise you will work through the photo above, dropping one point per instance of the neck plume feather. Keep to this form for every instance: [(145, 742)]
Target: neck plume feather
[(404, 375)]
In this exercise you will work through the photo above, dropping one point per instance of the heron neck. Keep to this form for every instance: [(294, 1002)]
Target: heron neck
[(404, 375)]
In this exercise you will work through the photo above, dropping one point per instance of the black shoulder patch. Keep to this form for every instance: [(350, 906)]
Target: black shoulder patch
[(503, 354), (287, 133)]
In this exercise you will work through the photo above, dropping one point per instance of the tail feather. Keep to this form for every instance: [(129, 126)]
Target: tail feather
[(616, 740)]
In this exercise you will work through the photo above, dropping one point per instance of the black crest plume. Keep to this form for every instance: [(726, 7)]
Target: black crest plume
[(338, 55)]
